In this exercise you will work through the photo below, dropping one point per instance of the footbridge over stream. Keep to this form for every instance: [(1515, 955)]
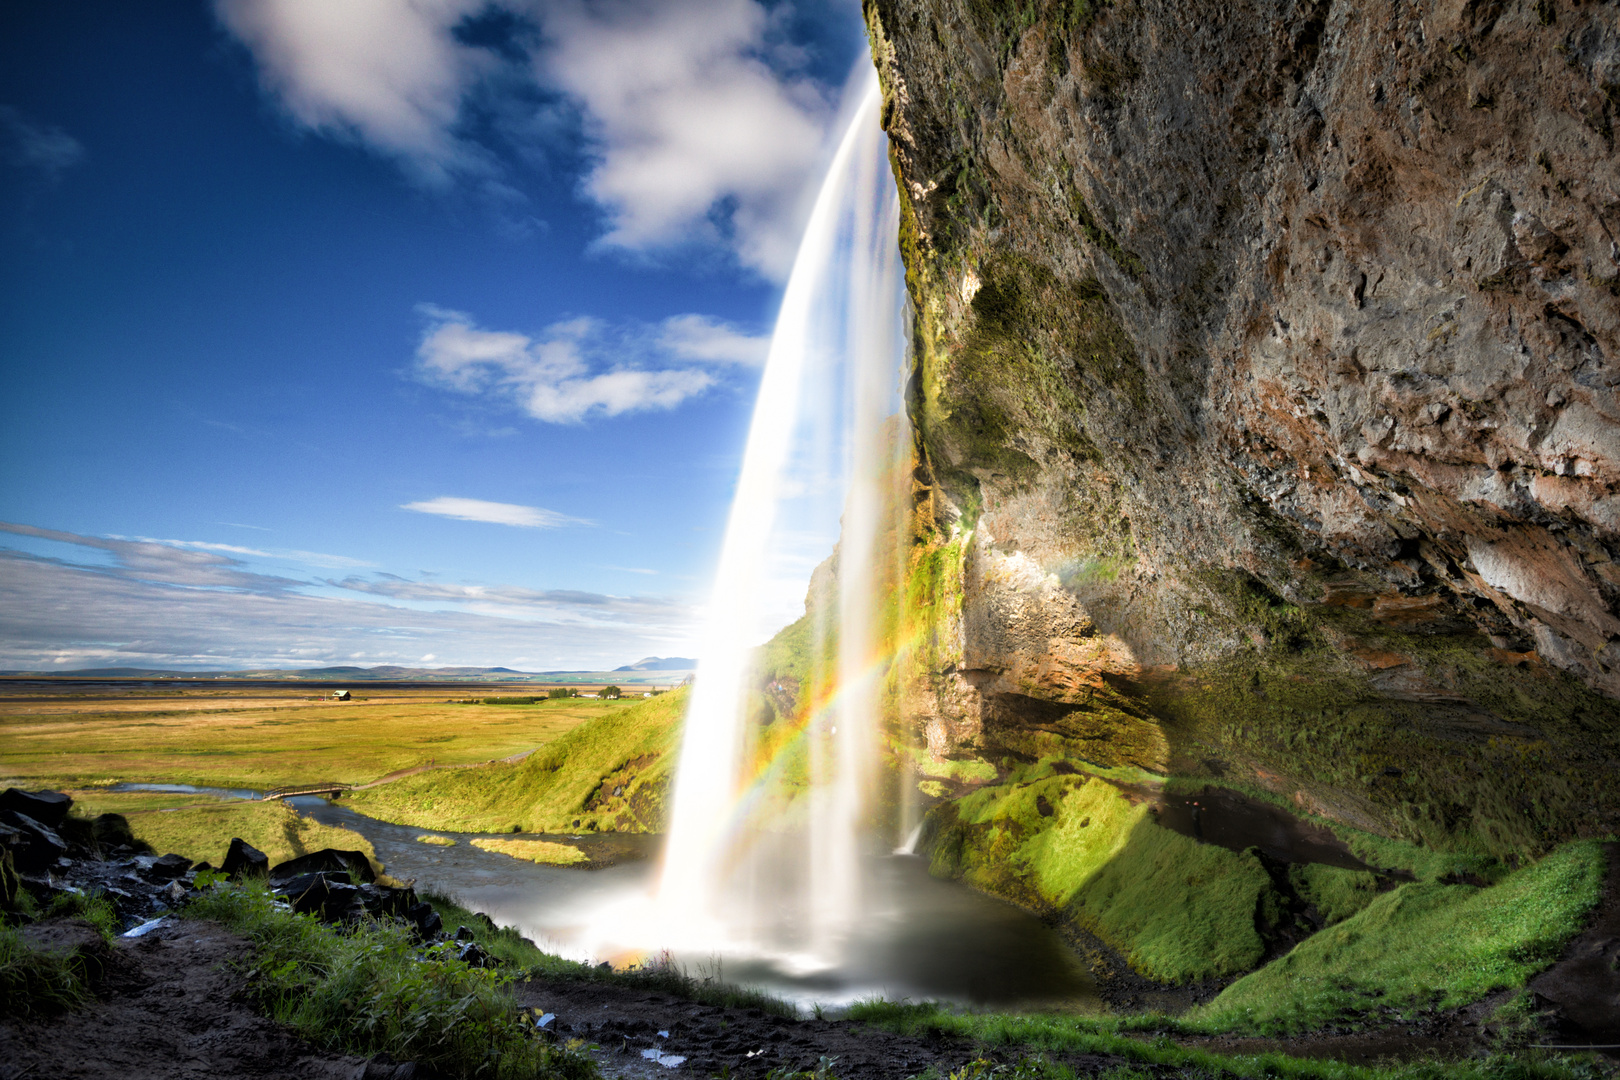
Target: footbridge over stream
[(310, 789)]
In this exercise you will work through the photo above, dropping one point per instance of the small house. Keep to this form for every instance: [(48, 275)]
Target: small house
[(340, 695)]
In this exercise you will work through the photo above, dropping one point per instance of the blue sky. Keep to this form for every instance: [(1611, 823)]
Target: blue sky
[(391, 331)]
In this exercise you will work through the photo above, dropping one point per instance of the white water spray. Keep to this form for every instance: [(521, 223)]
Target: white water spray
[(840, 328)]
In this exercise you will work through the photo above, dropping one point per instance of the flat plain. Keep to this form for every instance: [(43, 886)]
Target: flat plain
[(265, 739)]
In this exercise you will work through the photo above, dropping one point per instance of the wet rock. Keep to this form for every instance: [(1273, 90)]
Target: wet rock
[(354, 864), (243, 859), (34, 846), (46, 807), (174, 893), (473, 954), (463, 934)]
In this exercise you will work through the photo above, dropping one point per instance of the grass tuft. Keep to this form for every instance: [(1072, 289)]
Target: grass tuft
[(367, 990)]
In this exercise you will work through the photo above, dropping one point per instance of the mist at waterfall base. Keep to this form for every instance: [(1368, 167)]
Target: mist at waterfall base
[(755, 872), (774, 868)]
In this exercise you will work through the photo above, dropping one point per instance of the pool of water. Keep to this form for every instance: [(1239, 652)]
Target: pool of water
[(921, 938)]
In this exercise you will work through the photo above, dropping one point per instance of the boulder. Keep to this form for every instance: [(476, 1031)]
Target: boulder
[(169, 867), (473, 955), (46, 807), (243, 859), (327, 860), (34, 846), (327, 896), (426, 919)]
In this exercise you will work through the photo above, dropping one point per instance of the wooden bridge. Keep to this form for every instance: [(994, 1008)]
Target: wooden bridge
[(314, 789)]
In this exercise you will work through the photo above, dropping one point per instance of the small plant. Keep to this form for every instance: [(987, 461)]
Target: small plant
[(369, 989)]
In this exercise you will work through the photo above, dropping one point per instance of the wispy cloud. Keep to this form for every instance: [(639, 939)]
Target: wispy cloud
[(495, 513), (700, 123), (43, 148), (580, 368), (690, 109), (388, 74), (158, 604)]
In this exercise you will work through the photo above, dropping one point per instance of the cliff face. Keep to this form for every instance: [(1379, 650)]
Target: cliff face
[(1266, 395)]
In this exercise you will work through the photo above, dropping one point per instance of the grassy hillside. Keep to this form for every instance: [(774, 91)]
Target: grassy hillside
[(566, 786), (1425, 943), (201, 828)]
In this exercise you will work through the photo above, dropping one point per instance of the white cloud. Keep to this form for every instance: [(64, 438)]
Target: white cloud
[(48, 149), (159, 605), (700, 123), (582, 367), (495, 513), (388, 73), (700, 338), (687, 116)]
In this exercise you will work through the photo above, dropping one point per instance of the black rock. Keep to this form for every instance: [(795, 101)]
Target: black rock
[(472, 954), (168, 868), (426, 919), (326, 895), (463, 934), (245, 859), (382, 901), (46, 807), (33, 845), (327, 860)]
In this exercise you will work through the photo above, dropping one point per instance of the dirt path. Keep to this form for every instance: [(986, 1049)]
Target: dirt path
[(169, 1009)]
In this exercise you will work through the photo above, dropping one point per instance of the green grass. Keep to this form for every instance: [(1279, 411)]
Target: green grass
[(569, 780), (536, 851), (272, 746), (201, 828), (1424, 944), (1176, 909), (35, 983), (1150, 1057), (366, 991)]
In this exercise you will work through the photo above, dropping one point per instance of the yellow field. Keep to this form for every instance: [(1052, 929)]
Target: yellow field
[(263, 739)]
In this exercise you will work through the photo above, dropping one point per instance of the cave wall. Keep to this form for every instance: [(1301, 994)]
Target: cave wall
[(1266, 358)]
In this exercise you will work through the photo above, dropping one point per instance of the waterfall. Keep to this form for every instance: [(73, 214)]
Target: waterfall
[(830, 387)]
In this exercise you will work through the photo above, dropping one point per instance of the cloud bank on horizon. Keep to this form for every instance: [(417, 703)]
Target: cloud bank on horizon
[(182, 604), (702, 127)]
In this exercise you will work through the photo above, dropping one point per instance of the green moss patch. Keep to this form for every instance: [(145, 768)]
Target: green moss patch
[(1422, 944), (1077, 847)]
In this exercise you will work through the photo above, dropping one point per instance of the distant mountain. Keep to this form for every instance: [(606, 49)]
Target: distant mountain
[(661, 663), (647, 672)]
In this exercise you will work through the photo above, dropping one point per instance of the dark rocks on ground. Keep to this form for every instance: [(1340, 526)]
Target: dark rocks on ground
[(47, 807), (243, 858), (327, 860), (34, 846), (168, 867)]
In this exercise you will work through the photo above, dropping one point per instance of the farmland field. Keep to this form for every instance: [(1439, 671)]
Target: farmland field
[(262, 738)]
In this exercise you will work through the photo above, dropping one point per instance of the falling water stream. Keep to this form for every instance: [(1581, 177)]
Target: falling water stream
[(787, 885)]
